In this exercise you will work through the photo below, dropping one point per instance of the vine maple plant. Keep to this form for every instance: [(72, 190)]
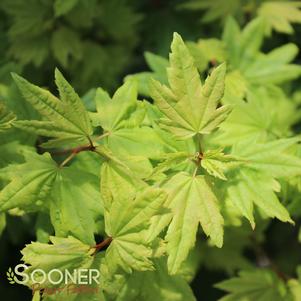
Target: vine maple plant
[(137, 189)]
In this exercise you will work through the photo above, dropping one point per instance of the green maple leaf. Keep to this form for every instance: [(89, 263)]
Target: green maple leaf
[(128, 216), (272, 157), (155, 285), (243, 51), (30, 184), (279, 15), (263, 163), (76, 204), (259, 120), (191, 201), (254, 285), (251, 187), (65, 119), (121, 118), (217, 163), (189, 107), (63, 254)]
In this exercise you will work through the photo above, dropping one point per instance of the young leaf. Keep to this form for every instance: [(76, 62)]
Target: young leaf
[(155, 285), (250, 187), (65, 118), (112, 111), (192, 201), (31, 183), (279, 15), (76, 204), (64, 253), (271, 157), (189, 107), (217, 163), (127, 221)]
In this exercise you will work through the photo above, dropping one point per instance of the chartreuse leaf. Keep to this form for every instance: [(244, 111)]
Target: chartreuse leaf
[(63, 254), (127, 221), (252, 187), (6, 117), (259, 120), (255, 183), (259, 285), (272, 157), (30, 184), (155, 285), (170, 161), (189, 107), (192, 201), (128, 216), (76, 204), (111, 112), (243, 53), (91, 291), (279, 15), (121, 118), (65, 119), (217, 163)]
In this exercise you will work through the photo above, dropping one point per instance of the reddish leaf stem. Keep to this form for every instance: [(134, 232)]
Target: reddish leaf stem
[(103, 244)]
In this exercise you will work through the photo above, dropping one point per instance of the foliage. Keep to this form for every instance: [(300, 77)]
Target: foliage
[(202, 176)]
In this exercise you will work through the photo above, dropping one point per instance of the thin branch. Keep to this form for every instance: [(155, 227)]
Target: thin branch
[(75, 151)]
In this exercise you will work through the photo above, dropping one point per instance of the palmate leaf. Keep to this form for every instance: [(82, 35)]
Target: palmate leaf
[(155, 285), (64, 253), (272, 157), (131, 137), (121, 118), (127, 221), (111, 112), (259, 120), (189, 107), (255, 182), (217, 163), (279, 15), (259, 285), (243, 52), (76, 204), (129, 205), (64, 119), (251, 187), (92, 291), (30, 184), (192, 201)]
